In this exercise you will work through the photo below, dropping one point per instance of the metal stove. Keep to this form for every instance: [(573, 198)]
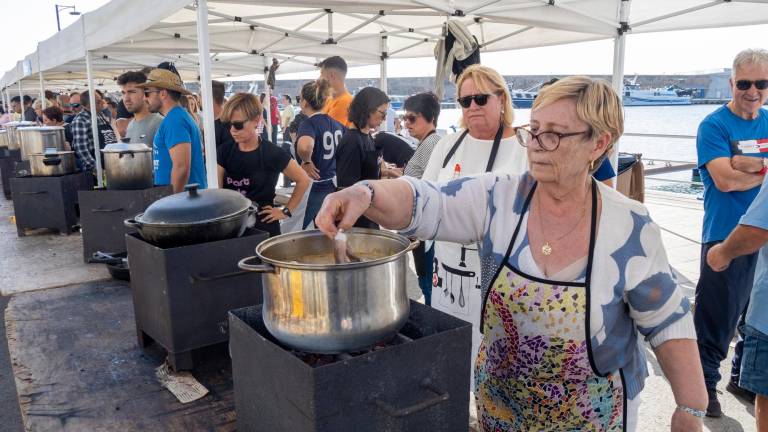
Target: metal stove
[(48, 202), (416, 382), (8, 159), (181, 295), (103, 211)]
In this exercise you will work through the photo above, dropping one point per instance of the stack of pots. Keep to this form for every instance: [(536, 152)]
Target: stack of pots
[(128, 166)]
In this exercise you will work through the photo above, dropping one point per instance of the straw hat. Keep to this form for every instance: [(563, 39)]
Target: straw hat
[(164, 79)]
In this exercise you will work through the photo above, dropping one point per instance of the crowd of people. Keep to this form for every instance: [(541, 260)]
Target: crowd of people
[(561, 276)]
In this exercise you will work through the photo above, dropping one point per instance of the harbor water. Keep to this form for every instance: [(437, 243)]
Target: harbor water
[(667, 120)]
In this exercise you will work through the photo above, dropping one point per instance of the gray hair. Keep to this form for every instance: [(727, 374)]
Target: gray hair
[(756, 56)]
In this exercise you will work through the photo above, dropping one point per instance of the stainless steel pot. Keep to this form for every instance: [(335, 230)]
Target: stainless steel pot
[(14, 139), (36, 139), (194, 216), (313, 305), (52, 163), (128, 166), (4, 138)]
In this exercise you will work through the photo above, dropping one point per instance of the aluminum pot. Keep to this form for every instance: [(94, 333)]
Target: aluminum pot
[(52, 163), (194, 216), (4, 138), (14, 140), (36, 139), (313, 305), (128, 166)]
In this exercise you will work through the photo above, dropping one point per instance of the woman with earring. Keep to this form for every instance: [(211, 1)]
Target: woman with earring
[(251, 165)]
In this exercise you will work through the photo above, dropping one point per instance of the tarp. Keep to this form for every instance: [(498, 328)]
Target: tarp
[(127, 34)]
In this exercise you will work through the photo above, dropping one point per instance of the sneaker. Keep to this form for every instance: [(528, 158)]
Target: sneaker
[(740, 392), (713, 407)]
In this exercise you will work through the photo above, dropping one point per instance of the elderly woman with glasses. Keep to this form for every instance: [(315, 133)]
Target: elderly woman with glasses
[(574, 274), (252, 166)]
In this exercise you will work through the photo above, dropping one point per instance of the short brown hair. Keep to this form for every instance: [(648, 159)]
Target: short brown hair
[(247, 103), (54, 113), (217, 88)]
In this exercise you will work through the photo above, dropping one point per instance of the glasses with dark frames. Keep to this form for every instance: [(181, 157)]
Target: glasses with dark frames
[(548, 140), (148, 92), (410, 118), (747, 84), (480, 100)]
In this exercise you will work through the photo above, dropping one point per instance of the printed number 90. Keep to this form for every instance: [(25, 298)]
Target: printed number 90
[(330, 142)]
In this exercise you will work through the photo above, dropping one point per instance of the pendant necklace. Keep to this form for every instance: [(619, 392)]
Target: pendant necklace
[(546, 248)]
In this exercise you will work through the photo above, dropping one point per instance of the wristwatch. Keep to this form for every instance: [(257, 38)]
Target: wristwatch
[(287, 212)]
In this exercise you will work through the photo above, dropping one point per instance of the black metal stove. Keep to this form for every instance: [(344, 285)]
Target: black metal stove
[(103, 211), (417, 382), (48, 202), (8, 159), (181, 295)]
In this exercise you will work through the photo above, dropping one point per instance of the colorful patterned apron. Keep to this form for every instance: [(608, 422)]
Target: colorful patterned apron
[(534, 371)]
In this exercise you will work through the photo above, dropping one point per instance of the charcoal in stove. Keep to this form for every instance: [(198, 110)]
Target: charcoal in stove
[(181, 295), (48, 202), (418, 381), (103, 212)]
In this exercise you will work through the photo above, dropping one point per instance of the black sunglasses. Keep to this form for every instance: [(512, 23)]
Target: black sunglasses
[(410, 118), (238, 125), (148, 92), (746, 84), (480, 100)]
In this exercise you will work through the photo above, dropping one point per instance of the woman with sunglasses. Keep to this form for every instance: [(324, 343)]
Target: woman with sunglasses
[(252, 166), (357, 157), (574, 274), (487, 143)]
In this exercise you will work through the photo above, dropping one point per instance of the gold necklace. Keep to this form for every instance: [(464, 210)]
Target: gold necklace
[(546, 248)]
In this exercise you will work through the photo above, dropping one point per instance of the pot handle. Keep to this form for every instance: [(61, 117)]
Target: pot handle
[(414, 244), (261, 268), (99, 257), (132, 223), (32, 193), (439, 397), (101, 210), (205, 278), (51, 161), (125, 152)]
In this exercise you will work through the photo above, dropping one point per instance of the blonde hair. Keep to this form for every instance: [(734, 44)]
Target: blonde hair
[(597, 105), (246, 103), (488, 81), (755, 56)]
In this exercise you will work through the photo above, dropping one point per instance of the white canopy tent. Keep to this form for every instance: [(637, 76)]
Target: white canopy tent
[(241, 35)]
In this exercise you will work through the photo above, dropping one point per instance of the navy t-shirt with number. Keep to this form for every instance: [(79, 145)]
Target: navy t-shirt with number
[(327, 134)]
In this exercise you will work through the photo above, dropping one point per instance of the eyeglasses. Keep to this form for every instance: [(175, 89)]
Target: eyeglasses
[(480, 100), (238, 125), (383, 113), (148, 92), (548, 141), (747, 84), (410, 118)]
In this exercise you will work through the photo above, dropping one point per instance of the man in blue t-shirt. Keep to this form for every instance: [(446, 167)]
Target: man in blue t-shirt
[(177, 152), (727, 144)]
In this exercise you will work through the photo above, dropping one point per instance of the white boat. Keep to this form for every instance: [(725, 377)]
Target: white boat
[(635, 96)]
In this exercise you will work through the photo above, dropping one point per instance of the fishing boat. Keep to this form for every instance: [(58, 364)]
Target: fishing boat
[(635, 96)]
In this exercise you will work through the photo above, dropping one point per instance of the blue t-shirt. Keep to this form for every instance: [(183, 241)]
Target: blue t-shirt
[(178, 127), (605, 171), (757, 216), (327, 134), (719, 135)]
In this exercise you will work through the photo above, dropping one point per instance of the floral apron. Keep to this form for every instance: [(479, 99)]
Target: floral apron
[(534, 371)]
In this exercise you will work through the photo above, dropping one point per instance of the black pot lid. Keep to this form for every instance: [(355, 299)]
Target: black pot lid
[(195, 206)]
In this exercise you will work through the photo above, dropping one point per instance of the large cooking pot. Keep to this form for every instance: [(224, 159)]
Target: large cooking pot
[(14, 140), (194, 216), (128, 166), (38, 138), (4, 138), (314, 305), (52, 163)]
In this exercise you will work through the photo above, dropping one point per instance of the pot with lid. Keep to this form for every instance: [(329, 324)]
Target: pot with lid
[(14, 140), (128, 166), (52, 163), (194, 216), (38, 138), (314, 305)]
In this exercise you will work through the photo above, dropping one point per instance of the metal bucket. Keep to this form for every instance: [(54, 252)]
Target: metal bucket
[(314, 305)]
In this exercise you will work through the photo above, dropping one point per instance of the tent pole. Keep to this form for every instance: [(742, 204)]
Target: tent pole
[(43, 102), (21, 99), (619, 48), (94, 119), (383, 70), (203, 48), (268, 103)]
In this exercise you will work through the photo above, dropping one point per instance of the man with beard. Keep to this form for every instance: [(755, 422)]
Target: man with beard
[(144, 125), (177, 151)]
